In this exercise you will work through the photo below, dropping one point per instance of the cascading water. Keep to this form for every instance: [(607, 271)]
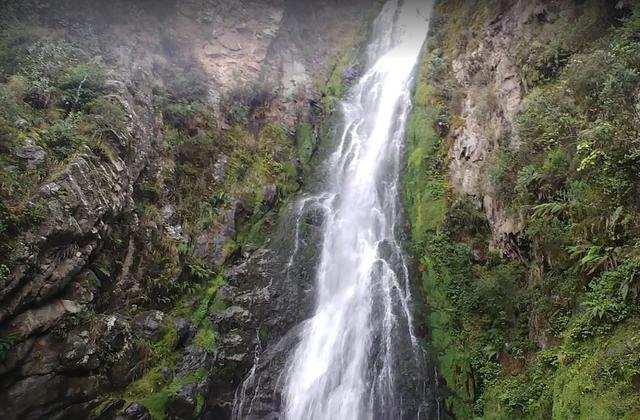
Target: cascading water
[(357, 349), (357, 357)]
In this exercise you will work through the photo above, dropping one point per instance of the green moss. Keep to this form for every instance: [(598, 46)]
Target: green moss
[(206, 337), (208, 298), (199, 406), (425, 189), (598, 378), (155, 393), (305, 143)]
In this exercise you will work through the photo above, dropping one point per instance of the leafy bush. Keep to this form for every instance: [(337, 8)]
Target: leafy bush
[(82, 84), (63, 138)]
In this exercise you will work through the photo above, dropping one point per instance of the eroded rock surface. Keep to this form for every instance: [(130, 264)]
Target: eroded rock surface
[(74, 303)]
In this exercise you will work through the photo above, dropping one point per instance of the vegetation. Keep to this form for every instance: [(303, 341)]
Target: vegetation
[(207, 173), (53, 98), (6, 344), (550, 333)]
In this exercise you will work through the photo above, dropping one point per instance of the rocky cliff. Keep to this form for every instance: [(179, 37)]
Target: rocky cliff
[(145, 149), (521, 194)]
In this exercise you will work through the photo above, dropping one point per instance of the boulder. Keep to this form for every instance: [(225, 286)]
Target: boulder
[(127, 366), (314, 217), (194, 358), (185, 329), (149, 325), (231, 318), (270, 193), (183, 405), (135, 411), (40, 396), (30, 152), (111, 409)]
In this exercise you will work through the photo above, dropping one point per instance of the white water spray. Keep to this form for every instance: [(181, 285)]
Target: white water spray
[(345, 367)]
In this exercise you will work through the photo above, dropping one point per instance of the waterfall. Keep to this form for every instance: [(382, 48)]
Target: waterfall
[(356, 352)]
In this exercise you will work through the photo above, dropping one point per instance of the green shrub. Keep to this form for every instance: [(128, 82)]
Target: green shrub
[(81, 85), (63, 138)]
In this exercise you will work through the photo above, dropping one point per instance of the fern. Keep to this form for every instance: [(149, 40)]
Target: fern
[(591, 258), (6, 345)]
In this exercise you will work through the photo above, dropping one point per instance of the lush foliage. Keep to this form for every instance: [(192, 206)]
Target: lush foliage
[(550, 333)]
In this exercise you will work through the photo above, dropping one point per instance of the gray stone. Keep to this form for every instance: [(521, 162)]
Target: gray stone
[(167, 212), (270, 193), (135, 411), (127, 366), (183, 405), (315, 217), (350, 74), (111, 409), (167, 374), (149, 325), (231, 318), (29, 151), (185, 329), (194, 358)]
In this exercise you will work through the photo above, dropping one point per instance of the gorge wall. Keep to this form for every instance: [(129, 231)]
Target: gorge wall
[(146, 149), (521, 192), (149, 152)]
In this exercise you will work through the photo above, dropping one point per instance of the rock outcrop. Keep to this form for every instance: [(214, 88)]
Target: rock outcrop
[(74, 307)]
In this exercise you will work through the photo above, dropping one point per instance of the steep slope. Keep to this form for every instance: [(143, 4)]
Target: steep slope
[(145, 148), (521, 188)]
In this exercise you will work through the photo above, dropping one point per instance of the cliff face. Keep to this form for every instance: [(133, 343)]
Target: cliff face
[(145, 150), (521, 194)]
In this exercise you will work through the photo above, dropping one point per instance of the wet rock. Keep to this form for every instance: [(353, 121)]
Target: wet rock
[(149, 325), (111, 409), (314, 217), (234, 348), (135, 411), (176, 233), (231, 318), (260, 298), (117, 334), (167, 374), (183, 405), (79, 353), (194, 358), (270, 193), (185, 329), (233, 274), (82, 288), (267, 391), (216, 244), (230, 42), (16, 357), (40, 319), (226, 292), (350, 74), (41, 396), (128, 365), (30, 152), (127, 355)]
